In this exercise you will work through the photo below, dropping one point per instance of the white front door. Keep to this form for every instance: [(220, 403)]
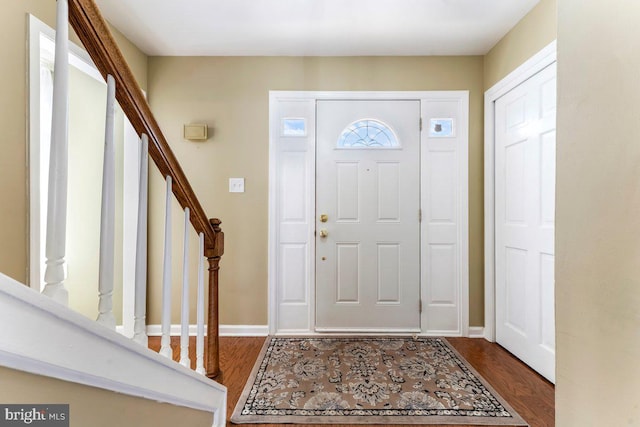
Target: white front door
[(367, 215), (525, 131)]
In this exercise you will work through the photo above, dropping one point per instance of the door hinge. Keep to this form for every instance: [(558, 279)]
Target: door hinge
[(420, 124), (419, 215), (420, 306)]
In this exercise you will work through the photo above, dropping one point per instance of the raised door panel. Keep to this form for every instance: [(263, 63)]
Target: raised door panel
[(389, 273), (347, 272)]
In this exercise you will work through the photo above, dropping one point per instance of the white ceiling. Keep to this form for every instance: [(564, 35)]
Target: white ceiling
[(314, 27)]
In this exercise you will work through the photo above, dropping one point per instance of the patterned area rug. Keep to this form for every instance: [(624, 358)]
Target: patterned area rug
[(391, 380)]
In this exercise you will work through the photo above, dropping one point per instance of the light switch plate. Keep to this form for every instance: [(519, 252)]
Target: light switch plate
[(236, 185)]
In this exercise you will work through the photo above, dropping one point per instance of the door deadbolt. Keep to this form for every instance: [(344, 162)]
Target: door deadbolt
[(324, 218), (324, 233)]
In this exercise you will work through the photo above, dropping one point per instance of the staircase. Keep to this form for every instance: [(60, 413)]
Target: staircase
[(52, 340)]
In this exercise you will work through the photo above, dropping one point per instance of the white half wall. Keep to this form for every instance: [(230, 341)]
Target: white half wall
[(42, 337)]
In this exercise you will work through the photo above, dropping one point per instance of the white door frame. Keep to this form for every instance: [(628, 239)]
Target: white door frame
[(42, 46), (532, 66), (303, 303)]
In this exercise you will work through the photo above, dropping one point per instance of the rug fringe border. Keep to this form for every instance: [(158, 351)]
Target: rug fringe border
[(249, 383)]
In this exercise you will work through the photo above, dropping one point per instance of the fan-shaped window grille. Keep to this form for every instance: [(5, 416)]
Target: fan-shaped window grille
[(368, 133)]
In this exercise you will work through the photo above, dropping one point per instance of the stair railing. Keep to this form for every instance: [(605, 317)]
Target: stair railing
[(85, 18)]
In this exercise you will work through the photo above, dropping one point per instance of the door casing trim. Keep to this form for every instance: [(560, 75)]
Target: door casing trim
[(463, 164), (528, 69)]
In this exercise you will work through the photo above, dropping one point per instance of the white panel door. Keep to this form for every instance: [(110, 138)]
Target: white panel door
[(525, 211), (367, 215)]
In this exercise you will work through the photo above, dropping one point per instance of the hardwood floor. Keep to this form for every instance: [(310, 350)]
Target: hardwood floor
[(527, 392)]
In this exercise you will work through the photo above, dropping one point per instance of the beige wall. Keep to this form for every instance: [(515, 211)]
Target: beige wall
[(231, 95), (536, 30), (598, 214), (137, 59), (94, 407), (13, 143), (13, 122), (228, 93)]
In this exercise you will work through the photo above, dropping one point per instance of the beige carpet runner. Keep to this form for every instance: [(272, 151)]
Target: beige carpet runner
[(391, 380)]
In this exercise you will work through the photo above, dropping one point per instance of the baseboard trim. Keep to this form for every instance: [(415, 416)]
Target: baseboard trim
[(224, 330), (476, 331), (263, 331), (244, 330)]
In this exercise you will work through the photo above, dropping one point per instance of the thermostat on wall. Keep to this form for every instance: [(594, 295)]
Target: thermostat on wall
[(195, 132)]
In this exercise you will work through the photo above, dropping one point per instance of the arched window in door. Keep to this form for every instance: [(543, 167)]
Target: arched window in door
[(368, 133)]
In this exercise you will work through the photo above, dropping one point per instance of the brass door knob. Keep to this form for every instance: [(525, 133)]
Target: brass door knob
[(324, 233), (324, 218)]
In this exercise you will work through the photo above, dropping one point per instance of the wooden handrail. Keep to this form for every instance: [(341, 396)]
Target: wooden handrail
[(93, 31)]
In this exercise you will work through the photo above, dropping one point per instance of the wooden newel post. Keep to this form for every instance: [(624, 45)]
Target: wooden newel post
[(213, 256)]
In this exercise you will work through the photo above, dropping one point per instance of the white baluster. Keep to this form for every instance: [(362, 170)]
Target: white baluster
[(165, 342), (140, 309), (108, 214), (200, 302), (184, 331), (58, 164)]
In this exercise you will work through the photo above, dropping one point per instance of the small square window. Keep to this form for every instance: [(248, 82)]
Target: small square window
[(294, 127), (442, 128)]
